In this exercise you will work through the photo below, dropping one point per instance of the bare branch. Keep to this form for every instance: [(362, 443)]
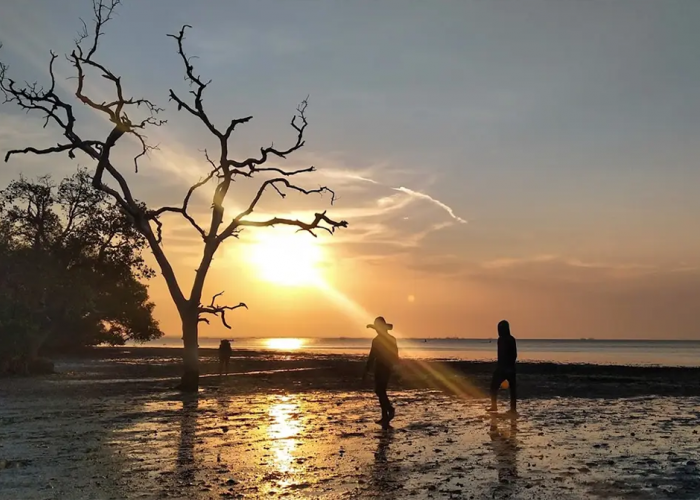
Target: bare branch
[(285, 172), (56, 149), (196, 81), (145, 149), (116, 109), (218, 310), (289, 185), (310, 227), (252, 163), (102, 14), (209, 160), (159, 229), (154, 214), (32, 98)]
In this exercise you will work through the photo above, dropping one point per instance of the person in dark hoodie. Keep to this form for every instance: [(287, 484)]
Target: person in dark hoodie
[(505, 368), (224, 356), (382, 357)]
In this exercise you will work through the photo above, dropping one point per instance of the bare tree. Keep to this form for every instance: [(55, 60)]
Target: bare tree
[(57, 111)]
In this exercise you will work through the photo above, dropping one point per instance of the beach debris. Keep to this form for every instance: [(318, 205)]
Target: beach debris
[(351, 434), (12, 464), (299, 486)]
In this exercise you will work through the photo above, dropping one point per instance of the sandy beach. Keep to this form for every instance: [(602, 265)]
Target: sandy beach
[(110, 426)]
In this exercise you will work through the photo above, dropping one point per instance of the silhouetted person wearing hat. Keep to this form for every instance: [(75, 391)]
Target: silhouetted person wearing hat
[(505, 369), (224, 356), (382, 358)]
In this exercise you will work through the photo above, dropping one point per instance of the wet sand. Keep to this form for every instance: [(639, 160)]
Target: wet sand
[(109, 426)]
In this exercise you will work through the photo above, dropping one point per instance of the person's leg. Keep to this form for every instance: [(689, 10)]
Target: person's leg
[(381, 396), (512, 382), (380, 386), (496, 382), (386, 405), (390, 408)]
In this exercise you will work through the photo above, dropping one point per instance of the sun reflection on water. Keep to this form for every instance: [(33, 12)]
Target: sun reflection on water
[(289, 344), (283, 430)]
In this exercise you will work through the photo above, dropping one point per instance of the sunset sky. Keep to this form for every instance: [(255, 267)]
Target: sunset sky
[(537, 161)]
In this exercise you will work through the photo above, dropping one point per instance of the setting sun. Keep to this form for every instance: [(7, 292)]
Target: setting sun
[(287, 259), (284, 344)]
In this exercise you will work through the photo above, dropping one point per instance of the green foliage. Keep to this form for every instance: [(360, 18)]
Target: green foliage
[(71, 270)]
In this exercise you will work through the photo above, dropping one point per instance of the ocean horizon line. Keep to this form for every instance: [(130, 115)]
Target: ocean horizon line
[(422, 339)]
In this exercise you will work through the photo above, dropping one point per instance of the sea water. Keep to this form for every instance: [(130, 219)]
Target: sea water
[(620, 352)]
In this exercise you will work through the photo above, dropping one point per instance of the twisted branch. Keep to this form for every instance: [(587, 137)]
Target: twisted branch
[(116, 109), (58, 148), (33, 97), (154, 214), (226, 169), (239, 221), (303, 226), (218, 310), (252, 163)]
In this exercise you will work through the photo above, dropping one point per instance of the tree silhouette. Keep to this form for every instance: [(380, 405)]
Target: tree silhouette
[(121, 112), (70, 269)]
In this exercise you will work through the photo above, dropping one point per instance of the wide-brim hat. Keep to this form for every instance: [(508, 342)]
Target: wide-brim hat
[(381, 324)]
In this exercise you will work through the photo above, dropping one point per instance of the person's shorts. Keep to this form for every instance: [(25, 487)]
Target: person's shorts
[(381, 378)]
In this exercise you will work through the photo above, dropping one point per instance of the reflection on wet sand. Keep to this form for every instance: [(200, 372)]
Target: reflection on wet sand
[(505, 447), (326, 445), (382, 479), (185, 465), (283, 431)]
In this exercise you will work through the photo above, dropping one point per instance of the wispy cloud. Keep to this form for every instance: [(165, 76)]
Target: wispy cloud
[(573, 264), (347, 174), (427, 197), (507, 262), (366, 176)]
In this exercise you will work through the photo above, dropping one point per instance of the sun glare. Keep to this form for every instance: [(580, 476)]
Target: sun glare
[(284, 344), (287, 259)]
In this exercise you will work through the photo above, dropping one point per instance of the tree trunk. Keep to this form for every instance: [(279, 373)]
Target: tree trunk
[(36, 342), (190, 354)]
